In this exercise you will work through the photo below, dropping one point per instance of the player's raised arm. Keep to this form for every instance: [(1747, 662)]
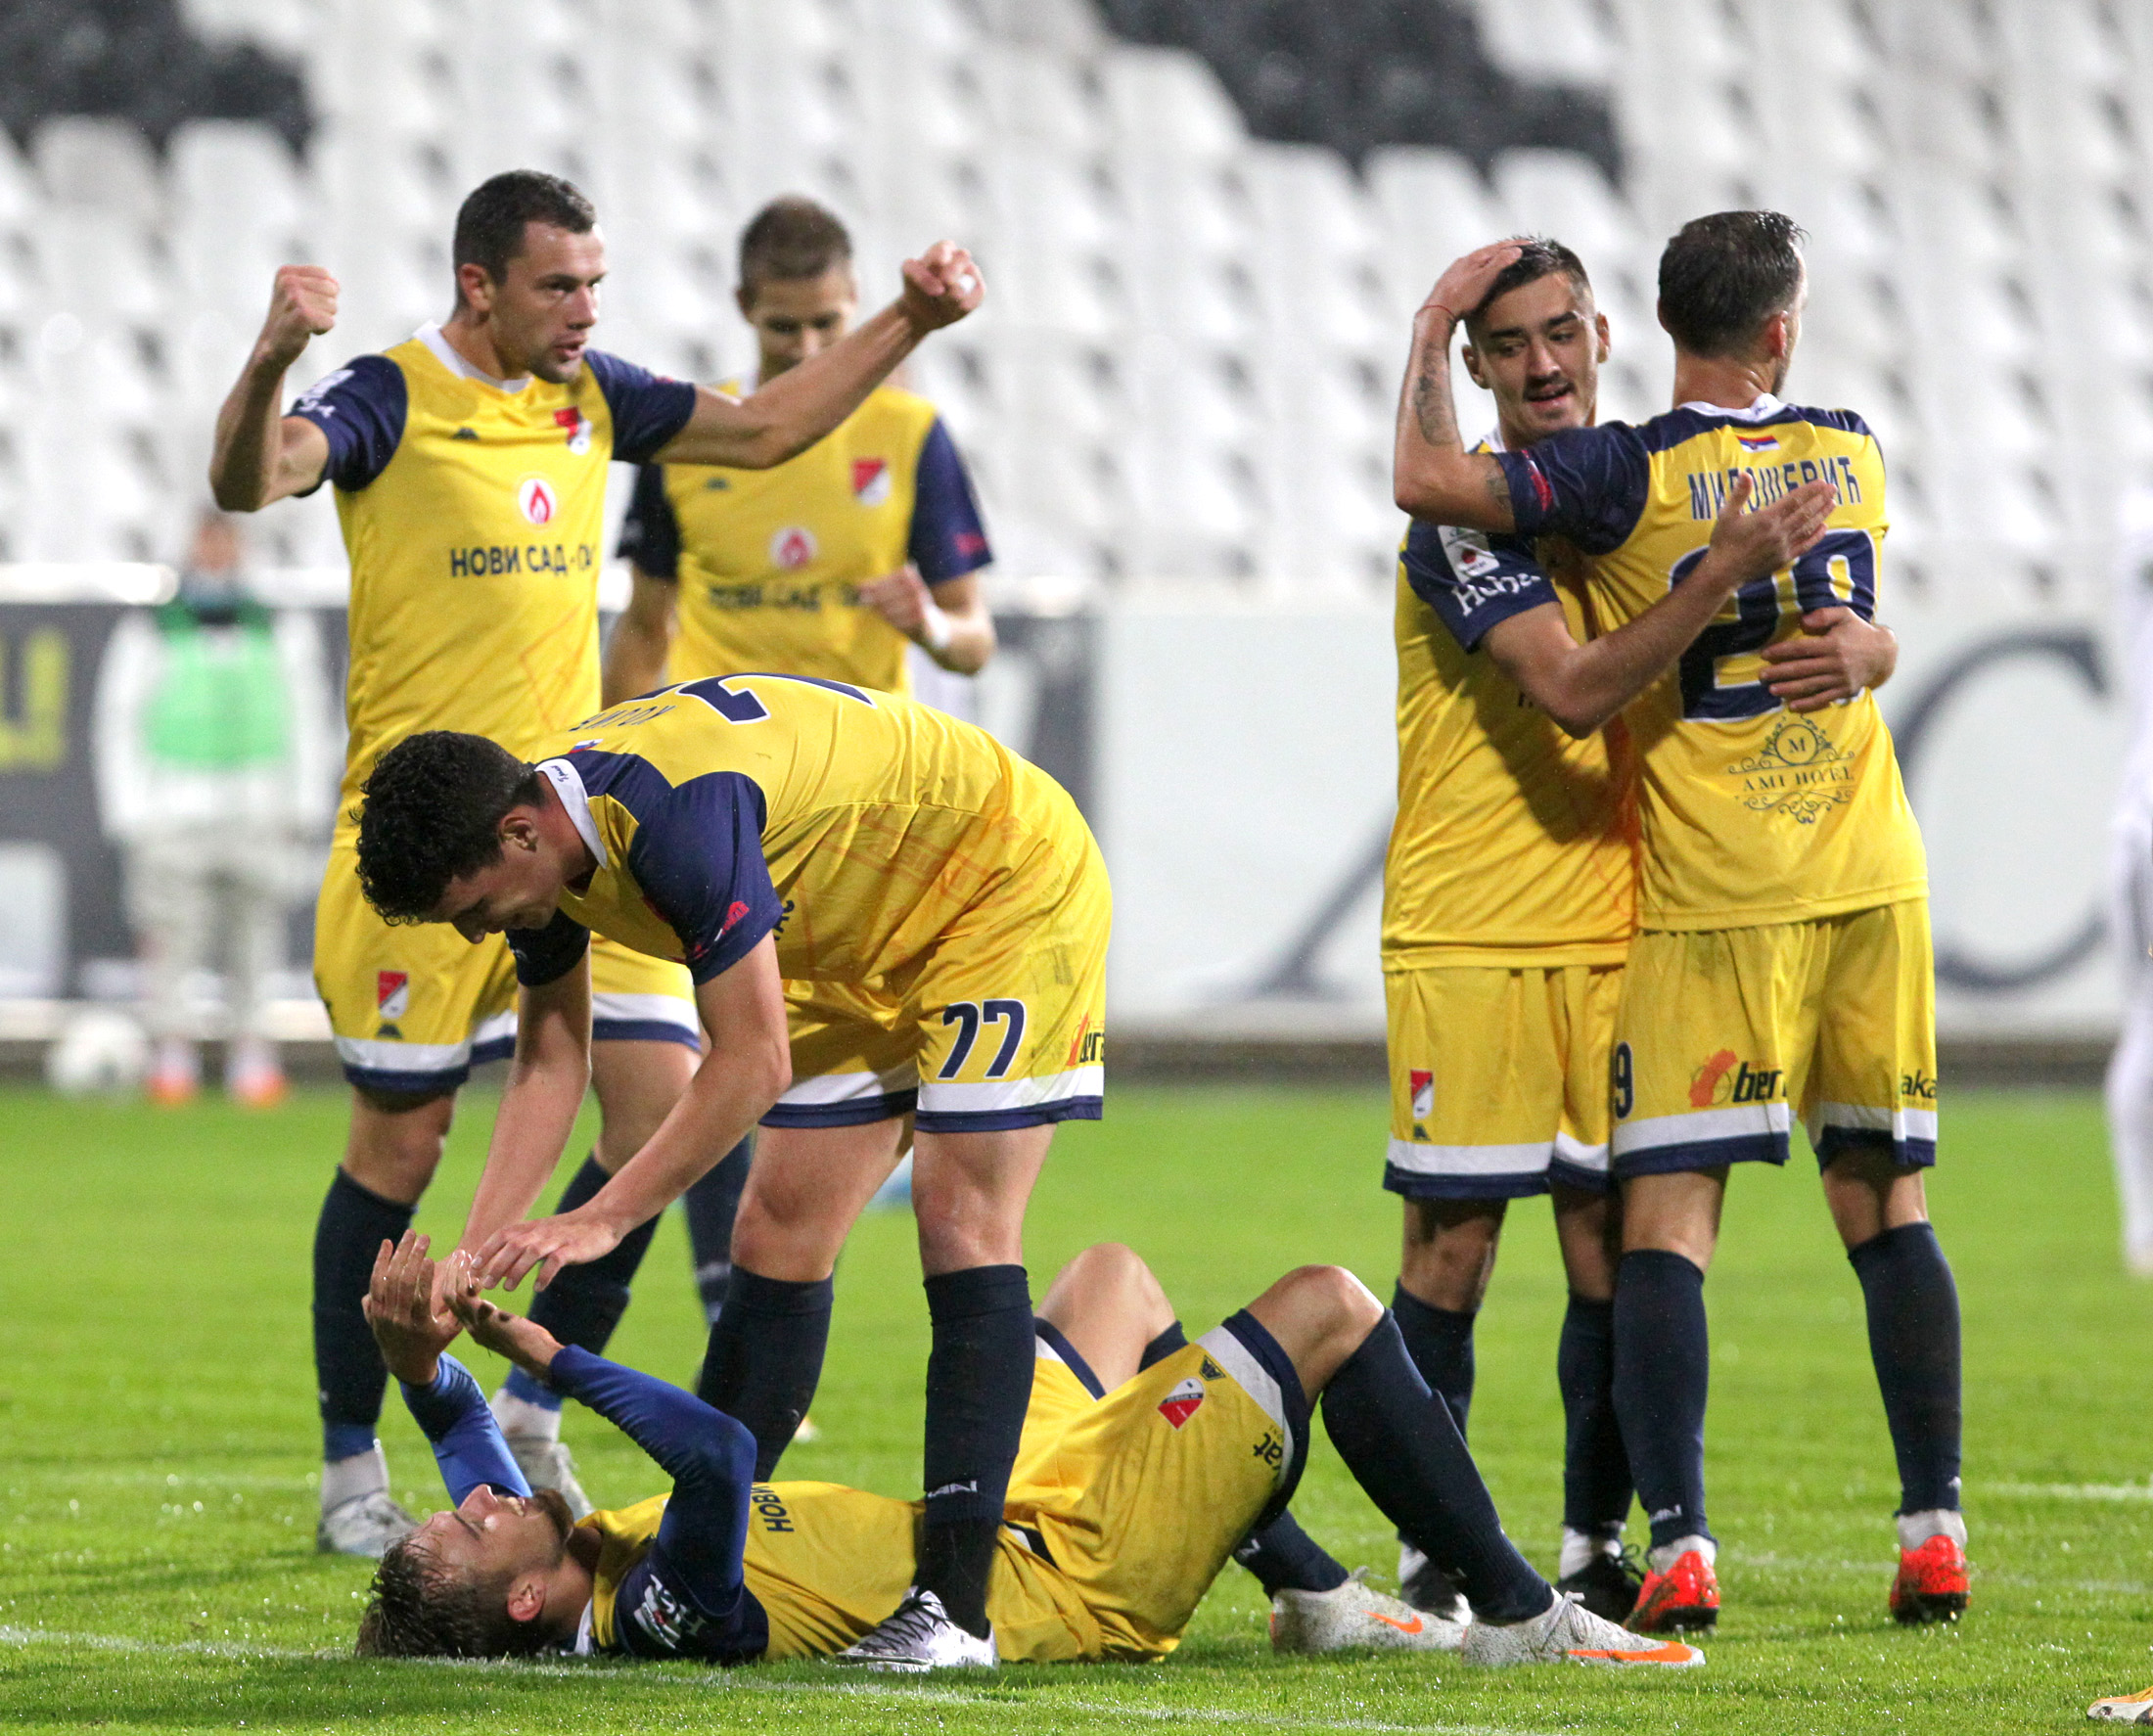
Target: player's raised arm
[(1432, 475), (803, 404), (262, 454), (1582, 686), (749, 1067)]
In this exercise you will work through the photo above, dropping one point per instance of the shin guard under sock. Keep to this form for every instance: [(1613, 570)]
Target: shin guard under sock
[(584, 1304), (979, 1381), (1596, 1465), (765, 1358), (1402, 1447), (1663, 1376), (710, 1206), (1440, 1342), (349, 1375), (1914, 1343)]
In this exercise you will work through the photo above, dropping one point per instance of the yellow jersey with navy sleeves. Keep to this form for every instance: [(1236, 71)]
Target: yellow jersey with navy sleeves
[(1514, 842), (768, 564), (885, 844), (1749, 812), (472, 518)]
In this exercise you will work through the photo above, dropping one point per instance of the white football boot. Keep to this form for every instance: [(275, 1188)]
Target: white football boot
[(919, 1636), (365, 1524), (2124, 1708), (547, 1463), (1356, 1616), (1423, 1584), (1569, 1632)]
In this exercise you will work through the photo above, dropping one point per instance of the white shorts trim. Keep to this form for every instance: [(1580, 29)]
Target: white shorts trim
[(1529, 1158), (954, 1097), (1742, 1121), (1579, 1156), (1902, 1124), (375, 1055), (653, 1009), (825, 1088), (1228, 1351)]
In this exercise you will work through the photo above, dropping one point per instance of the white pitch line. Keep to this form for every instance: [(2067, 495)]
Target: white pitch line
[(2071, 1492), (733, 1681)]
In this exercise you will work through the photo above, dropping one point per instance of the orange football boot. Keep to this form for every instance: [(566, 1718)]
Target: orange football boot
[(1685, 1599), (1932, 1582)]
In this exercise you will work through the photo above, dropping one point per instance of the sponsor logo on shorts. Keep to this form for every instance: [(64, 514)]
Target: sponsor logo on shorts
[(392, 993), (793, 547), (1725, 1079), (535, 500), (870, 481), (1269, 1450), (1088, 1045), (1917, 1084), (1424, 1094), (1184, 1403)]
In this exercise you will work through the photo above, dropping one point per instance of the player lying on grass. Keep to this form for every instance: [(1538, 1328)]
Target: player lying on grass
[(1144, 1459)]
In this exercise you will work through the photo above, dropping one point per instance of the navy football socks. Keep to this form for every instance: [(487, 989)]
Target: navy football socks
[(765, 1358), (1914, 1343), (1164, 1346), (1440, 1342), (349, 1375), (1663, 1374), (1404, 1449), (584, 1304), (1596, 1487), (710, 1206), (978, 1383)]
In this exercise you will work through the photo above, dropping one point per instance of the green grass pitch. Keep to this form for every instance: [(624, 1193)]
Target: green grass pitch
[(157, 1436)]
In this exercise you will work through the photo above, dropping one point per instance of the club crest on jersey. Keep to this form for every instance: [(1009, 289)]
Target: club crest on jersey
[(535, 498), (579, 426), (793, 547), (1424, 1094), (870, 481), (392, 993), (1184, 1403)]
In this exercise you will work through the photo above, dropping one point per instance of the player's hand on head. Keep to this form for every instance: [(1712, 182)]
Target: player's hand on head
[(900, 598), (1760, 542), (303, 305), (405, 1307), (522, 1341), (546, 1245), (942, 286), (1465, 282)]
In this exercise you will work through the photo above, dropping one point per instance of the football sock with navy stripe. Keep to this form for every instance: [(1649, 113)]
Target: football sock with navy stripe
[(349, 1375), (978, 1383), (764, 1359), (1440, 1342), (710, 1206), (1914, 1343), (1595, 1464), (584, 1304), (1404, 1449), (1663, 1375)]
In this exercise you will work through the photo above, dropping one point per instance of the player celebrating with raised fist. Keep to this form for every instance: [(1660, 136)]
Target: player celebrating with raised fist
[(1783, 959), (470, 465)]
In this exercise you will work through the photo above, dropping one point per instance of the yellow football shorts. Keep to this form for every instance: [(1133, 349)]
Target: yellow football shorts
[(1723, 1035), (1138, 1496), (415, 1007), (1498, 1078), (1001, 1025)]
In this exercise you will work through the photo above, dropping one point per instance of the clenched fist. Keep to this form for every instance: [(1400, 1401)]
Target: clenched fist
[(942, 286), (301, 308)]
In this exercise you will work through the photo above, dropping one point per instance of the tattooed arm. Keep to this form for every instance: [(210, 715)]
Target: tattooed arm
[(1432, 475)]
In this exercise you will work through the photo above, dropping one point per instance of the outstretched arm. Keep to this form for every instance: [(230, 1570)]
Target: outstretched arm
[(1432, 475), (1582, 686), (546, 1083), (262, 455), (803, 404)]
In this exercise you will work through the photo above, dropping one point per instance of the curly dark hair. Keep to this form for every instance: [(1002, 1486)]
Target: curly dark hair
[(1723, 276), (1541, 256), (420, 1609), (431, 812)]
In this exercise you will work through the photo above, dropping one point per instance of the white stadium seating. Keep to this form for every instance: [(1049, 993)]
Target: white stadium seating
[(1187, 368)]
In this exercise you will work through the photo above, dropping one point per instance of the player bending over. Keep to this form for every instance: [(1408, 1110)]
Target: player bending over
[(1144, 1458)]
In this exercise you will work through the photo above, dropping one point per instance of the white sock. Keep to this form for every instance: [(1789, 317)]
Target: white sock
[(519, 1417), (1916, 1528), (1668, 1554), (362, 1474), (1580, 1548)]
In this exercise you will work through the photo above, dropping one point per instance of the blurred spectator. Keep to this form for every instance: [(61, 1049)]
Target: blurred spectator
[(214, 769)]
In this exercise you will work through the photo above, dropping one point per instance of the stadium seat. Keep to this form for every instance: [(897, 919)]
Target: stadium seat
[(1431, 206)]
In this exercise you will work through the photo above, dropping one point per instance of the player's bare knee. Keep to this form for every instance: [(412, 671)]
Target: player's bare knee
[(395, 1140), (1337, 1299)]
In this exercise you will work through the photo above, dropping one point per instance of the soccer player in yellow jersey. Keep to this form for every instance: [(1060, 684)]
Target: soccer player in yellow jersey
[(826, 565), (1509, 890), (470, 465), (1783, 959), (765, 830), (1144, 1457)]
